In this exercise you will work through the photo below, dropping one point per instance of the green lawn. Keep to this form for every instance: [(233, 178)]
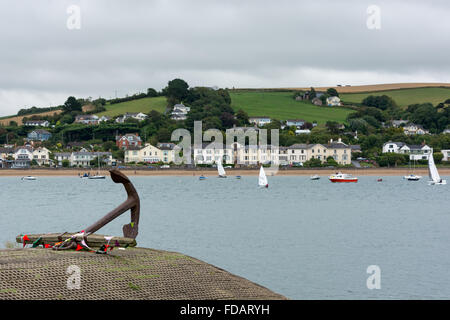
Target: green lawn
[(144, 105), (404, 97), (281, 106)]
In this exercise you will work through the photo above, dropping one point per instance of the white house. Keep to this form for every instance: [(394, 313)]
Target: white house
[(37, 123), (302, 131), (42, 156), (412, 129), (138, 116), (61, 156), (446, 154), (298, 123), (22, 157), (333, 101), (416, 152), (210, 153), (181, 108), (180, 112), (84, 158), (259, 121), (392, 147), (398, 123), (87, 119)]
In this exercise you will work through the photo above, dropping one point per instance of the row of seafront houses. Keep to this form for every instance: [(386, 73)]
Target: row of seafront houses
[(236, 153), (208, 153), (23, 156)]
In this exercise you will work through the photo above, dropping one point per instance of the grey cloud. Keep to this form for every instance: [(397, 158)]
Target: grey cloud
[(131, 45)]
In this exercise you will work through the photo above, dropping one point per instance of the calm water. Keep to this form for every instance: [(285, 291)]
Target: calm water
[(304, 239)]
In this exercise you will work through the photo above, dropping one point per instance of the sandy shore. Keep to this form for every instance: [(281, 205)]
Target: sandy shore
[(230, 172)]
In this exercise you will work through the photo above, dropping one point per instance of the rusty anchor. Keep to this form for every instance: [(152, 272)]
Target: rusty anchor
[(132, 203), (130, 230)]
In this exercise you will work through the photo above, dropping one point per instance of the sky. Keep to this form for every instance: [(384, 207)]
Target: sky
[(52, 49)]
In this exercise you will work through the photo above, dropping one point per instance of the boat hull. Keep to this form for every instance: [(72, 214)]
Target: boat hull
[(432, 183), (344, 180)]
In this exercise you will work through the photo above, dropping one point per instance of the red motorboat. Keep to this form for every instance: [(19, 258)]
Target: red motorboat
[(343, 177)]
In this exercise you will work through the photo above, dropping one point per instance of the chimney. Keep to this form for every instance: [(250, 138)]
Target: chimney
[(340, 140)]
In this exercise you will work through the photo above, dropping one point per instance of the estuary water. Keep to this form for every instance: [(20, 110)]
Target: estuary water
[(301, 238)]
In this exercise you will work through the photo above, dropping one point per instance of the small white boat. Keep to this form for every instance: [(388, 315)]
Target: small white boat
[(29, 178), (262, 181), (315, 177), (412, 177), (96, 177), (435, 178), (221, 170)]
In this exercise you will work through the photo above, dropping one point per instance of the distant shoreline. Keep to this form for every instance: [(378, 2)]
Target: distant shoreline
[(230, 172)]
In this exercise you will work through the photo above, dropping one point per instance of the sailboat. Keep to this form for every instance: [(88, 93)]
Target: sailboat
[(97, 176), (262, 178), (221, 170), (412, 176), (433, 172)]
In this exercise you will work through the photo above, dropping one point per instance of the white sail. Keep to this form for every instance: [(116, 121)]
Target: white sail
[(220, 169), (262, 177), (432, 170)]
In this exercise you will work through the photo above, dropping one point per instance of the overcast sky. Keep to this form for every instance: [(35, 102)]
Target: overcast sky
[(129, 46)]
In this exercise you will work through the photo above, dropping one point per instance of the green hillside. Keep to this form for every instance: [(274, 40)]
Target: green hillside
[(144, 105), (281, 106), (404, 97)]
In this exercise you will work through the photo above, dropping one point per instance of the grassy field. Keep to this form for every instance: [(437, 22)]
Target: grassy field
[(144, 105), (6, 120), (281, 106), (378, 87), (404, 97)]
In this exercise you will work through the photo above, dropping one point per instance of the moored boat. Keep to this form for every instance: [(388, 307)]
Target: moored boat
[(412, 177), (29, 178), (96, 177), (315, 177), (343, 177)]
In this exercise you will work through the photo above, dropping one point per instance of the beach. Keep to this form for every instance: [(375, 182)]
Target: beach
[(230, 172)]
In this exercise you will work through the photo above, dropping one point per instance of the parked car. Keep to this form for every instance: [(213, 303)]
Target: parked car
[(228, 167), (166, 166)]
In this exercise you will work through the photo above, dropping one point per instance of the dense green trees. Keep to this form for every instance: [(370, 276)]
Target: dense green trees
[(176, 91), (381, 102), (72, 104), (332, 92)]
